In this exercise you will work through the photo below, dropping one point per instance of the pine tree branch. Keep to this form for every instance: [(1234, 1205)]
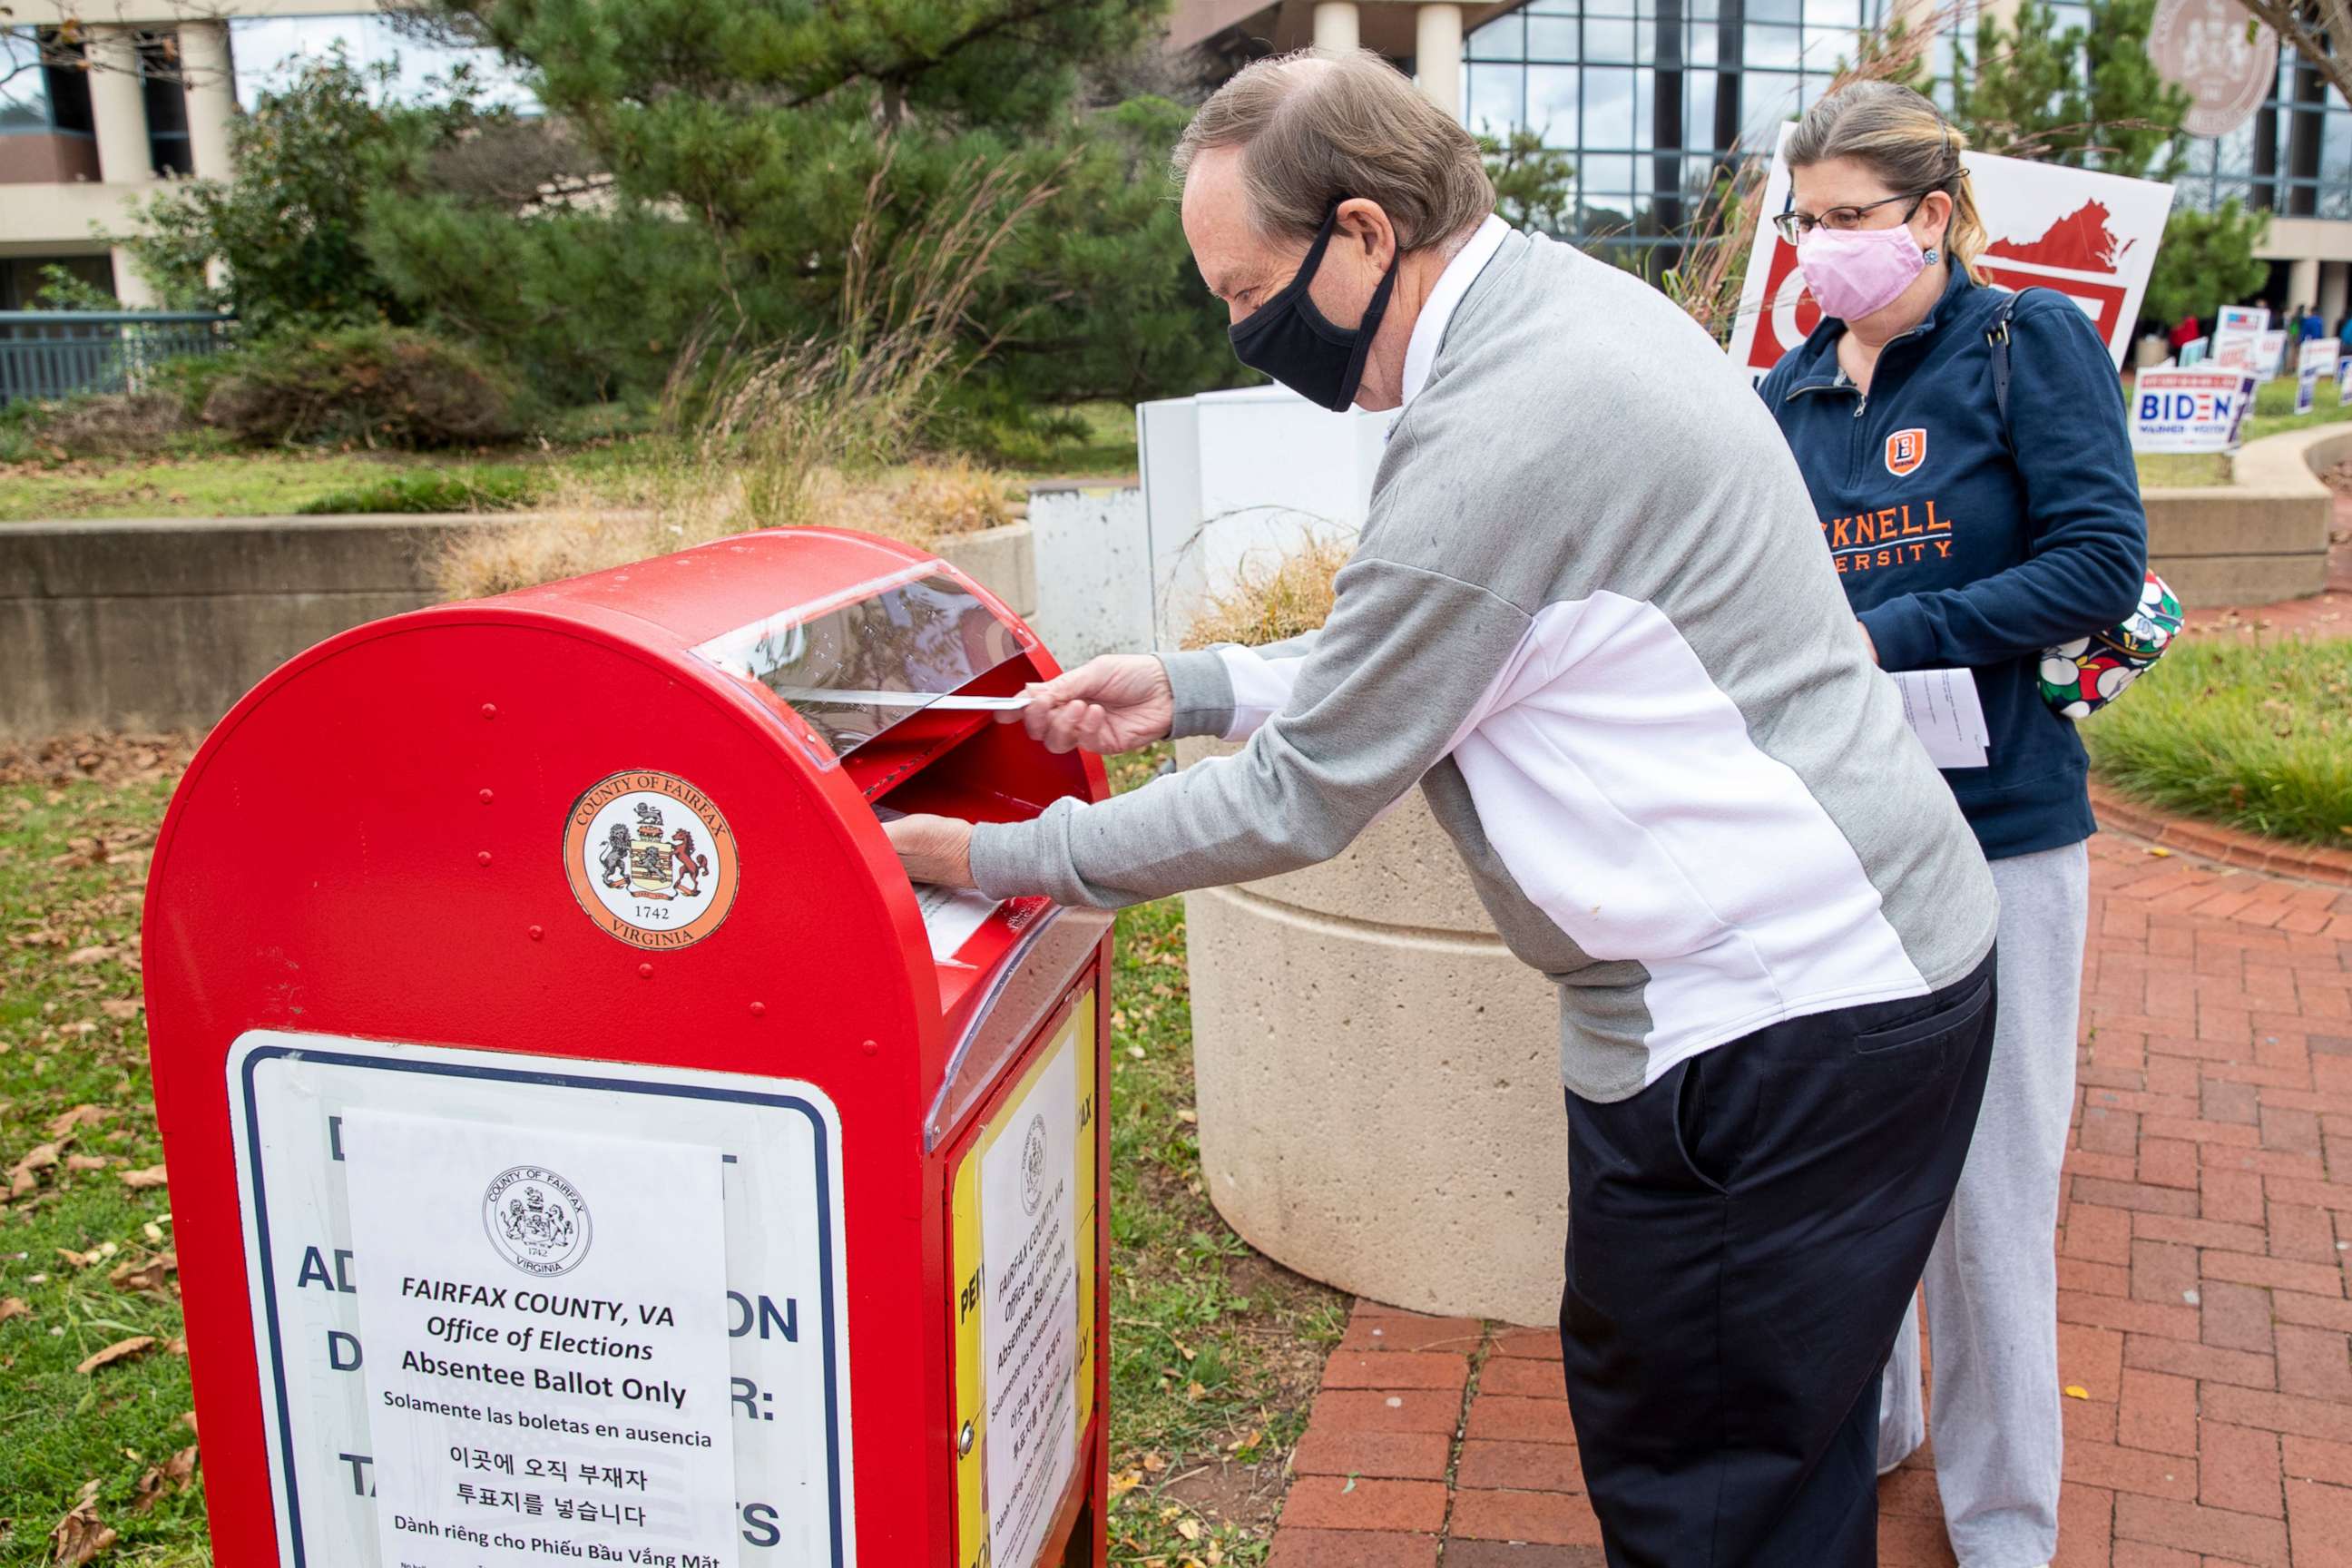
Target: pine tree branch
[(903, 72)]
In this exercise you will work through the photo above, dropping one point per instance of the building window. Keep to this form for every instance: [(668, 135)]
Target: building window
[(1648, 96), (161, 85), (43, 92)]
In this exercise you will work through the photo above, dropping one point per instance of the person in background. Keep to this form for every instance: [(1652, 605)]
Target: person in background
[(1965, 538), (2343, 334), (2310, 327), (2184, 332)]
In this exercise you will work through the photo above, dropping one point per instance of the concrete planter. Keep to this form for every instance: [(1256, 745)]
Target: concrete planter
[(2259, 538), (1378, 1079)]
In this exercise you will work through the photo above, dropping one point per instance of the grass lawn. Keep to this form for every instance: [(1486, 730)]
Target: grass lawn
[(2273, 414), (84, 1256), (1214, 1352), (2253, 736), (256, 484)]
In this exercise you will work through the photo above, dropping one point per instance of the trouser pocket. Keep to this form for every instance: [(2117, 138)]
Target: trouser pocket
[(1947, 1014)]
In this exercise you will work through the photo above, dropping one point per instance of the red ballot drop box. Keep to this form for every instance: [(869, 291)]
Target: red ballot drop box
[(585, 1143)]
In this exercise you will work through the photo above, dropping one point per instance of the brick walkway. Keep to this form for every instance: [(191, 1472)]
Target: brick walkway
[(2202, 1307)]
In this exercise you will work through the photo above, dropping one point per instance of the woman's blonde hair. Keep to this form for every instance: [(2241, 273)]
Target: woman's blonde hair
[(1906, 141)]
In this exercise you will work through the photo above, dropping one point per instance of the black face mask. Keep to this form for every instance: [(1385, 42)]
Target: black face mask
[(1289, 339)]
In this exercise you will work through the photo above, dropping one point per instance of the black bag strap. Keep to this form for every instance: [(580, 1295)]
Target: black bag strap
[(1997, 336)]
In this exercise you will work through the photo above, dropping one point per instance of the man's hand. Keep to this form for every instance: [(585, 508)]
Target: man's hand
[(933, 849), (1112, 704)]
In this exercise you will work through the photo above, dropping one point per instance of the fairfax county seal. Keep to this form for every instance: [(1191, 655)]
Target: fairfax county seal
[(537, 1220), (650, 858), (1033, 1165)]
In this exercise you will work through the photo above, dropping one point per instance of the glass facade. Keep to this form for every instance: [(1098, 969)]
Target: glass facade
[(1649, 96)]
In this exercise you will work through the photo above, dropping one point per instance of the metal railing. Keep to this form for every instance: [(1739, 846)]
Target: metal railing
[(57, 353)]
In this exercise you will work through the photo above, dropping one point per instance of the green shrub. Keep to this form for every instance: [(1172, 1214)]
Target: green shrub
[(2252, 737), (374, 386), (100, 426), (434, 490)]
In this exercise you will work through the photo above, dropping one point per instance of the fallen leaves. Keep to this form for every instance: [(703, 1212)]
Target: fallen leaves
[(148, 1275), (2076, 1391), (121, 1350), (39, 1157), (121, 1008), (80, 1535), (98, 954), (84, 1115), (84, 1162), (139, 1180), (162, 1480), (13, 1307)]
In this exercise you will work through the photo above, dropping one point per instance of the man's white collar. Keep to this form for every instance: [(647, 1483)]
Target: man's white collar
[(1429, 330)]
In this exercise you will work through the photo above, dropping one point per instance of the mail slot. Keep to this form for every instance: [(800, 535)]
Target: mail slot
[(585, 1145)]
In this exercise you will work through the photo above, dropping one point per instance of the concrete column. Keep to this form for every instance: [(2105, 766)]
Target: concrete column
[(2333, 277), (2302, 287), (118, 107), (211, 88), (1335, 25), (1437, 55), (131, 285)]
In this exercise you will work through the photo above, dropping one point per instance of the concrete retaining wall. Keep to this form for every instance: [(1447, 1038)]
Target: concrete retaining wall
[(1002, 559), (1378, 1079), (164, 624), (2262, 537)]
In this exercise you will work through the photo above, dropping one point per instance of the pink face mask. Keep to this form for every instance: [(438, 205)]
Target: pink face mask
[(1854, 272)]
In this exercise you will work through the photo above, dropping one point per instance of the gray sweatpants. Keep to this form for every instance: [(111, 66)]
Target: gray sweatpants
[(1992, 1281)]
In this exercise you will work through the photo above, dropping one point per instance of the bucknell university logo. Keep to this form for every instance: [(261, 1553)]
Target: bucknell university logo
[(1906, 450)]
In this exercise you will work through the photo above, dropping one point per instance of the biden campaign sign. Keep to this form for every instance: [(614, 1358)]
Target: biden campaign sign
[(2199, 410)]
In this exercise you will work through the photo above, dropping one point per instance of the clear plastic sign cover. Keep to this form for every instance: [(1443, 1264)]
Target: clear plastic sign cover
[(924, 635)]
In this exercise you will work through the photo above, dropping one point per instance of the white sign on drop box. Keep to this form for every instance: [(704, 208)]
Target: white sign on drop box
[(546, 1322), (291, 1097), (1028, 1197)]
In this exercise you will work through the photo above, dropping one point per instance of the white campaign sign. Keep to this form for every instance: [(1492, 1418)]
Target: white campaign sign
[(545, 1318), (2270, 354), (2199, 410), (2091, 237), (2314, 363), (1028, 1197), (318, 1121)]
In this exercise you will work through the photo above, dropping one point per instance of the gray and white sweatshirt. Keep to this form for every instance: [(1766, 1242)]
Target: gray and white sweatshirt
[(1591, 616)]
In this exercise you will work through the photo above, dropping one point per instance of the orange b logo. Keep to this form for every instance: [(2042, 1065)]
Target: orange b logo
[(1906, 450)]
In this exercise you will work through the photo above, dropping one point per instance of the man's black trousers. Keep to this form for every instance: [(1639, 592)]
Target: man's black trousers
[(1743, 1237)]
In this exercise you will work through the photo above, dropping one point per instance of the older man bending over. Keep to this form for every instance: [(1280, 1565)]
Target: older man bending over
[(1590, 617)]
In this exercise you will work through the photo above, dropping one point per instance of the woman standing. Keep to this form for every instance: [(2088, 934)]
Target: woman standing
[(1971, 535)]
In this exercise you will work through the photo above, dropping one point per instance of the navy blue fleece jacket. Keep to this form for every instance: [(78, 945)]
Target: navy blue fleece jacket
[(1961, 541)]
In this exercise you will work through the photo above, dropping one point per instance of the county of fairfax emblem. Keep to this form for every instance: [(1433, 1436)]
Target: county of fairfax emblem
[(650, 858), (536, 1220), (1033, 1165)]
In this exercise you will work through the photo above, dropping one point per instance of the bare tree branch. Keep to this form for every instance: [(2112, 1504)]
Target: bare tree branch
[(2307, 27)]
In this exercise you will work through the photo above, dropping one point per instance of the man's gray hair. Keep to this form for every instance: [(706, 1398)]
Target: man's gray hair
[(1318, 129)]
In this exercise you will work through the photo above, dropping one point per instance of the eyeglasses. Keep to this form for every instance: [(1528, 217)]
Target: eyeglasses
[(1794, 226)]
